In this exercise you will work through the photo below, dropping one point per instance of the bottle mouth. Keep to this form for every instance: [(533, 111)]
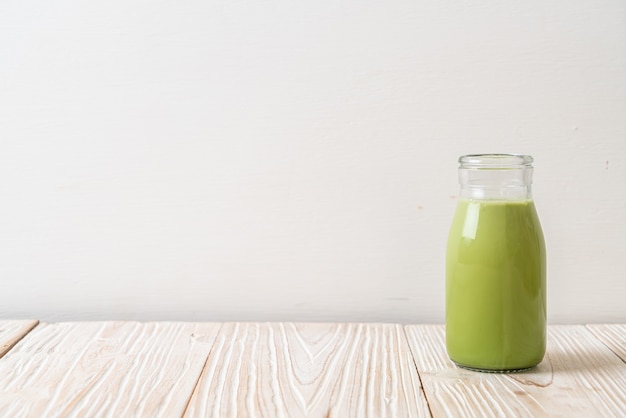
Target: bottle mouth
[(495, 161)]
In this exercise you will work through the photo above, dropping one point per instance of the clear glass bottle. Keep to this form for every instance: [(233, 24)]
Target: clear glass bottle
[(496, 267)]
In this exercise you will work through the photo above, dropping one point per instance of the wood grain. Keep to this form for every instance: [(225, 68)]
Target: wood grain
[(13, 331), (313, 370), (116, 369), (613, 336), (578, 377)]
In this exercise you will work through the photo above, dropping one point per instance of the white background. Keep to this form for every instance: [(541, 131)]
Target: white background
[(292, 160)]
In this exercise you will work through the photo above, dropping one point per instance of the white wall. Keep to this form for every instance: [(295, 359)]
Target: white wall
[(271, 160)]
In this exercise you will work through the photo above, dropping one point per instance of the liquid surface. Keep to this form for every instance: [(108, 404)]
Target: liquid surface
[(496, 286)]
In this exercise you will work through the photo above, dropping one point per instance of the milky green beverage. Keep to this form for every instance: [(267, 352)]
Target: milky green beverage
[(496, 285)]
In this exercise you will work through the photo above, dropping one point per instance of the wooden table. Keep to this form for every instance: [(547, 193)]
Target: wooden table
[(171, 369)]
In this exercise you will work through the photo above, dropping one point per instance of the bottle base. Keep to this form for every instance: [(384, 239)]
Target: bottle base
[(497, 371)]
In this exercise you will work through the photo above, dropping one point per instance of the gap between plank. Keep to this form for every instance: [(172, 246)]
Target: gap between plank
[(193, 391), (17, 340), (419, 375), (588, 328)]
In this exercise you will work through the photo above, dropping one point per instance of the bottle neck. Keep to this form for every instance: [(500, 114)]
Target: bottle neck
[(496, 182)]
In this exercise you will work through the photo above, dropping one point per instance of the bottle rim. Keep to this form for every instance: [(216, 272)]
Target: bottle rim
[(495, 161)]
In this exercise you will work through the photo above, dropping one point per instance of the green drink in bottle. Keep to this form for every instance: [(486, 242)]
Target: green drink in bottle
[(496, 267)]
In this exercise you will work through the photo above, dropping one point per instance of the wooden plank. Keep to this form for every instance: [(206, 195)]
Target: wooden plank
[(613, 336), (579, 377), (313, 370), (116, 369), (13, 331)]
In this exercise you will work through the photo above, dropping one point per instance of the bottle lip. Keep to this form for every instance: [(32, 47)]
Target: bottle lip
[(495, 161)]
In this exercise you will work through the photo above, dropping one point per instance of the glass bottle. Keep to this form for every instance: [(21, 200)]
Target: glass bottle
[(496, 267)]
